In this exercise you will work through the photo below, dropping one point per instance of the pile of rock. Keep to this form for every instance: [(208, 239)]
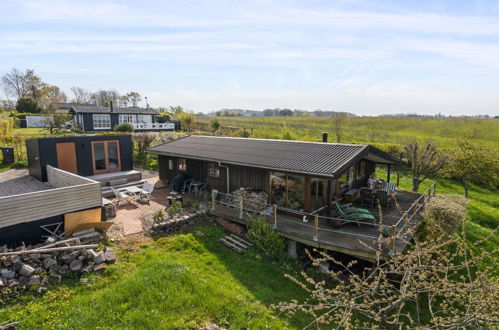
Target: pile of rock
[(255, 200), (45, 264), (179, 222)]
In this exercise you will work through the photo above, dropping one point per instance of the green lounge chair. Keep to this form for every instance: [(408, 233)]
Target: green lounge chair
[(358, 217), (349, 209)]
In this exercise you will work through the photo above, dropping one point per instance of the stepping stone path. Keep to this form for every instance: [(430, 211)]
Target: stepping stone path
[(235, 243)]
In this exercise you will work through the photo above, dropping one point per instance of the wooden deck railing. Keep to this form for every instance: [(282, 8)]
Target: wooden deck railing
[(279, 215)]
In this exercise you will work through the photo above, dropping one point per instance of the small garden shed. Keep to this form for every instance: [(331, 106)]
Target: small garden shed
[(82, 155)]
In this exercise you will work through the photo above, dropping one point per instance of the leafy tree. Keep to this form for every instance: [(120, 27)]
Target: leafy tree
[(424, 160), (175, 110), (339, 122), (27, 104), (132, 99), (471, 163), (56, 123), (186, 119), (105, 97), (81, 95), (214, 125), (123, 127)]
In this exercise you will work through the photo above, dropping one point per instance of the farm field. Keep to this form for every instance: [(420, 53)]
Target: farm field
[(444, 131), (180, 281)]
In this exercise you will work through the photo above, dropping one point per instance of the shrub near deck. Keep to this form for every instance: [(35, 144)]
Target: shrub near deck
[(181, 281)]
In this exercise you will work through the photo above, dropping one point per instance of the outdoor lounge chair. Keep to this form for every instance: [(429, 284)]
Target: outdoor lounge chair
[(347, 208), (123, 198), (147, 190), (357, 217)]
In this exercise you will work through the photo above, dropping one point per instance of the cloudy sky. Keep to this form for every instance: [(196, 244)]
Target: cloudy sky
[(365, 57)]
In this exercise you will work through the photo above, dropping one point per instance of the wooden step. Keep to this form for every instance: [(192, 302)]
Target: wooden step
[(231, 245), (237, 242), (241, 240)]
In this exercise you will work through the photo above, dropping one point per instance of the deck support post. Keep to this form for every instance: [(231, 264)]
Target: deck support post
[(213, 198), (388, 173), (274, 211), (316, 227), (392, 241), (292, 249), (241, 208)]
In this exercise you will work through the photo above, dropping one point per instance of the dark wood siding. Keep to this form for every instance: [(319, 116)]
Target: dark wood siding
[(48, 154), (239, 176)]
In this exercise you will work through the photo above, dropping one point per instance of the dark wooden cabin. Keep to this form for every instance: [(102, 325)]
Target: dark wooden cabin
[(82, 155), (298, 175)]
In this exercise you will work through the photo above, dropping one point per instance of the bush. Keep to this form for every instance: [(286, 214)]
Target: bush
[(27, 104), (174, 208), (158, 216), (6, 126), (20, 164), (266, 238), (443, 214), (124, 127)]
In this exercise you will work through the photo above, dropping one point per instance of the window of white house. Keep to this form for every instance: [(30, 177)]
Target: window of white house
[(182, 165), (128, 119), (144, 119), (213, 170), (101, 121), (170, 164)]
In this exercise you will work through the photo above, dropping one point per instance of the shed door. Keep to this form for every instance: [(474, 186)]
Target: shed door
[(66, 156)]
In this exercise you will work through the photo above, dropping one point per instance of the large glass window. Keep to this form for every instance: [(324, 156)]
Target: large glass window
[(106, 156), (287, 190), (101, 121)]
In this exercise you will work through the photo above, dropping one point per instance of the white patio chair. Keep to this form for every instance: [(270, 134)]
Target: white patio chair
[(147, 190), (123, 198)]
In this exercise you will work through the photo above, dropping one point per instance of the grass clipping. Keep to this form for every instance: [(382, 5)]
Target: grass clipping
[(443, 214)]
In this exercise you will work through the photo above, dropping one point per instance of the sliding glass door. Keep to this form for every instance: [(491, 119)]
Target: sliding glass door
[(106, 156)]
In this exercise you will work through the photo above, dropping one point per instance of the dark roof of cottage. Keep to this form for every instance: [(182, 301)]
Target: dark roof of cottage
[(314, 158), (93, 108)]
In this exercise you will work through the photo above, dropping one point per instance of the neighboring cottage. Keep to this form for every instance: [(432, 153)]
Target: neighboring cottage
[(95, 118)]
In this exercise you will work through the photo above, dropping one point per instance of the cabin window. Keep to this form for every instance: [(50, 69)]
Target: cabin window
[(128, 119), (213, 170), (287, 190), (361, 169), (144, 119), (182, 165), (106, 156), (101, 121), (170, 164)]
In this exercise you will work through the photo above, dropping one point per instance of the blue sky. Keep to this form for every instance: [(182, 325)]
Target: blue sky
[(365, 57)]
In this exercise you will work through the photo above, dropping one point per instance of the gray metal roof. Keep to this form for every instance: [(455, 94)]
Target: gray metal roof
[(317, 158), (93, 108)]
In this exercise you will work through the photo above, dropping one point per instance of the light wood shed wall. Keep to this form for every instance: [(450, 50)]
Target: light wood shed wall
[(71, 193)]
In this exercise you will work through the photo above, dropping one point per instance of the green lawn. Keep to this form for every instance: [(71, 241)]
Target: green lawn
[(30, 131), (180, 281)]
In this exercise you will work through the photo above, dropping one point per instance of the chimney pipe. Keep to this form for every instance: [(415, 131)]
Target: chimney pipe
[(324, 137), (111, 105)]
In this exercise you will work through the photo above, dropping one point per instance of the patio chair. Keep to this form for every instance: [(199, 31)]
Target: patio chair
[(366, 197), (390, 187), (384, 198), (123, 198), (202, 189), (348, 208), (147, 190), (357, 217), (186, 185)]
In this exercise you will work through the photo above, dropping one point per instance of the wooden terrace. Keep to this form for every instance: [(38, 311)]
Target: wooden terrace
[(362, 241)]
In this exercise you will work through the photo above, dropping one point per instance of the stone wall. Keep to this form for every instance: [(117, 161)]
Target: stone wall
[(179, 222)]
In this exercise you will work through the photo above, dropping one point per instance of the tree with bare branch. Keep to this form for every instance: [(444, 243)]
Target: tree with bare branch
[(424, 160), (438, 283), (81, 95), (339, 122)]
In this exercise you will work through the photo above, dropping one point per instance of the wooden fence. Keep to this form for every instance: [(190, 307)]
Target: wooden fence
[(70, 193)]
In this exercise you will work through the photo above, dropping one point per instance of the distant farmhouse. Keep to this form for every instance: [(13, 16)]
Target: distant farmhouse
[(95, 118)]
